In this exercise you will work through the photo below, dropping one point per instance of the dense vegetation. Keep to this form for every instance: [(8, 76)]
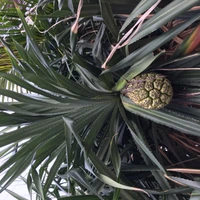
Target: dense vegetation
[(63, 117)]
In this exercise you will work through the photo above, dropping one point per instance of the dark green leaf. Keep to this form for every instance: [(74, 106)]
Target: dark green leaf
[(166, 117)]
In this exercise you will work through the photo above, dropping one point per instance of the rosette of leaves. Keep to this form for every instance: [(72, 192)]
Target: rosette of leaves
[(70, 130)]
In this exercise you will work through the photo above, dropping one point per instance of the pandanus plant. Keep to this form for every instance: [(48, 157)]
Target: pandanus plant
[(101, 105)]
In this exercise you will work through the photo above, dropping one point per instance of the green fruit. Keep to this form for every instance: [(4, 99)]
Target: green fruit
[(150, 91)]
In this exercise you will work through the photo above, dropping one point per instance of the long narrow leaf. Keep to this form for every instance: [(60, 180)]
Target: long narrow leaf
[(166, 117)]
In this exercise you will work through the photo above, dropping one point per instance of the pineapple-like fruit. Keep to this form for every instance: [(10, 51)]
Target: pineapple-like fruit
[(150, 90)]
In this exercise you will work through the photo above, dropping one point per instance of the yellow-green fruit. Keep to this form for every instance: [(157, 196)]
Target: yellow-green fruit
[(150, 91)]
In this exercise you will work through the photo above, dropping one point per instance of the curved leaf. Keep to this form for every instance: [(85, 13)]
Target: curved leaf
[(165, 117)]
